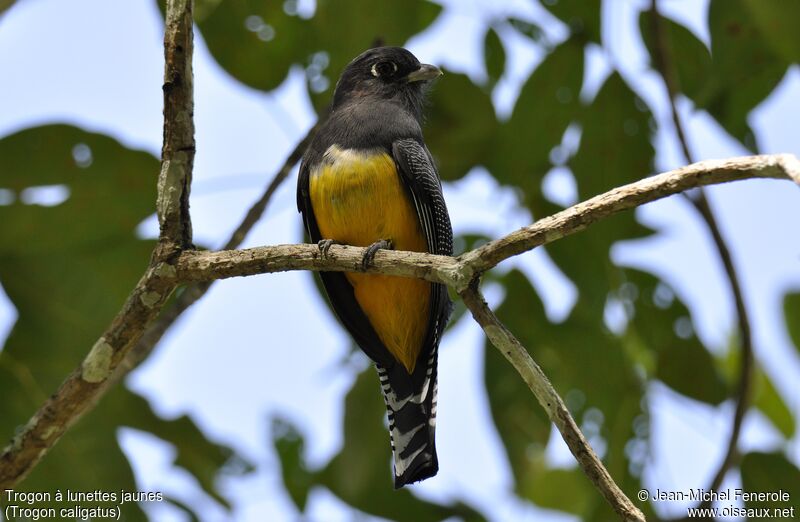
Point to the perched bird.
(367, 179)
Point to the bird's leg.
(325, 245)
(369, 255)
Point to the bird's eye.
(385, 69)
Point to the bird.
(367, 179)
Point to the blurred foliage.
(743, 65)
(67, 267)
(771, 473)
(5, 4)
(791, 308)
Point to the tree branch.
(177, 151)
(557, 411)
(665, 66)
(194, 292)
(79, 392)
(193, 266)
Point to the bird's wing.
(412, 418)
(419, 175)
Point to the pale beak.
(424, 73)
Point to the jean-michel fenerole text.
(723, 495)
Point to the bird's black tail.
(412, 421)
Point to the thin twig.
(665, 66)
(581, 215)
(79, 392)
(548, 397)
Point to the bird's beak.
(424, 73)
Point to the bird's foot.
(369, 255)
(325, 245)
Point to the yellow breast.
(358, 198)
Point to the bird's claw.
(369, 254)
(325, 245)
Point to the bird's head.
(385, 73)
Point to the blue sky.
(265, 345)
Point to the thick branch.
(177, 151)
(540, 385)
(79, 392)
(195, 266)
(743, 393)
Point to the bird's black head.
(385, 73)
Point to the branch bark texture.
(557, 411)
(82, 388)
(193, 266)
(177, 151)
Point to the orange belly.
(358, 198)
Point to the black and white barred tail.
(412, 423)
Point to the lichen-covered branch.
(81, 389)
(177, 151)
(193, 266)
(557, 411)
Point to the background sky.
(263, 346)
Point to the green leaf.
(583, 18)
(5, 4)
(255, 41)
(615, 141)
(745, 69)
(67, 269)
(258, 41)
(791, 309)
(204, 459)
(776, 20)
(662, 327)
(547, 103)
(752, 44)
(771, 473)
(567, 490)
(529, 29)
(691, 59)
(769, 401)
(614, 149)
(461, 123)
(289, 445)
(494, 55)
(765, 396)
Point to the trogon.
(367, 179)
